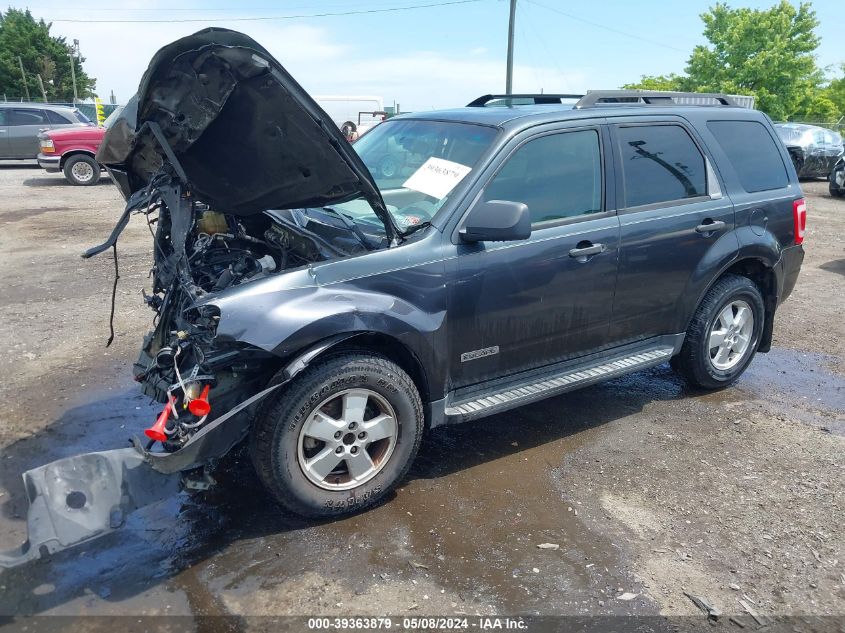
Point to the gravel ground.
(648, 489)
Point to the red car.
(72, 151)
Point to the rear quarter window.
(57, 119)
(752, 153)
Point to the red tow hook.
(156, 431)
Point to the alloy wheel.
(347, 439)
(730, 335)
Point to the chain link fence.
(88, 109)
(838, 126)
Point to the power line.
(605, 27)
(275, 17)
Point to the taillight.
(799, 217)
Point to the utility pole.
(509, 75)
(23, 76)
(41, 83)
(73, 78)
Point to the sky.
(424, 58)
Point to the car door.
(672, 213)
(4, 133)
(518, 305)
(24, 126)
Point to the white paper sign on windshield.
(437, 177)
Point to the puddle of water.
(794, 385)
(478, 501)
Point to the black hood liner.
(248, 137)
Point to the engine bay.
(200, 252)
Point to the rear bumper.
(790, 261)
(49, 162)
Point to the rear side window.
(81, 116)
(752, 153)
(57, 119)
(26, 116)
(558, 176)
(660, 164)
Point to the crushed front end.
(220, 153)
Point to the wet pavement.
(461, 534)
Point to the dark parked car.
(814, 150)
(329, 315)
(837, 179)
(20, 124)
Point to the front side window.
(27, 116)
(558, 176)
(660, 163)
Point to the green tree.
(768, 53)
(658, 82)
(41, 53)
(835, 92)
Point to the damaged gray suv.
(329, 303)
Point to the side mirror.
(497, 221)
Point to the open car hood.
(244, 133)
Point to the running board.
(573, 378)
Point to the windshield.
(416, 165)
(793, 135)
(110, 119)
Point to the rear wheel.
(724, 334)
(340, 436)
(82, 170)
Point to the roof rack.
(537, 99)
(595, 98)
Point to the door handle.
(586, 249)
(710, 226)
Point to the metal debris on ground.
(548, 546)
(712, 612)
(753, 613)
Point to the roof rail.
(595, 98)
(538, 99)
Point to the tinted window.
(752, 153)
(660, 164)
(82, 118)
(557, 176)
(25, 116)
(57, 119)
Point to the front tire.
(724, 334)
(340, 436)
(833, 188)
(82, 170)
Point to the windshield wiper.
(415, 228)
(352, 226)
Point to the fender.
(285, 321)
(78, 149)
